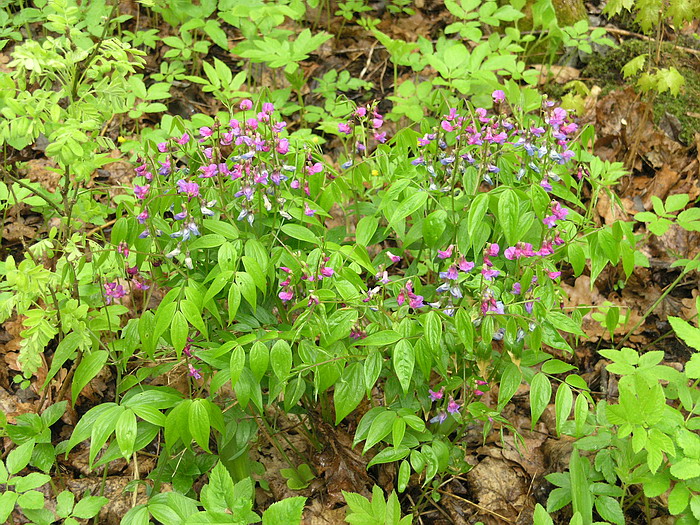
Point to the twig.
(482, 509)
(649, 39)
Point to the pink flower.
(327, 271)
(447, 126)
(377, 123)
(209, 171)
(308, 211)
(316, 168)
(141, 191)
(453, 406)
(286, 295)
(481, 382)
(446, 254)
(141, 217)
(205, 131)
(553, 275)
(283, 147)
(498, 95)
(246, 104)
(492, 250)
(436, 396)
(478, 393)
(313, 300)
(344, 127)
(394, 258)
(464, 265)
(184, 139)
(415, 301)
(162, 147)
(361, 111)
(268, 107)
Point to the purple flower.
(453, 407)
(190, 188)
(452, 274)
(194, 372)
(141, 217)
(415, 301)
(436, 396)
(553, 275)
(380, 137)
(163, 147)
(327, 271)
(316, 168)
(113, 291)
(308, 211)
(517, 289)
(394, 258)
(208, 171)
(184, 139)
(344, 127)
(246, 104)
(205, 131)
(441, 417)
(498, 95)
(490, 273)
(268, 107)
(286, 295)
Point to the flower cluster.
(478, 141)
(364, 121)
(289, 284)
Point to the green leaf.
(510, 381)
(199, 425)
(541, 517)
(563, 403)
(389, 455)
(281, 359)
(88, 368)
(126, 433)
(688, 333)
(349, 391)
(678, 499)
(669, 80)
(301, 233)
(179, 330)
(610, 510)
(365, 230)
(408, 206)
(686, 468)
(259, 359)
(89, 506)
(380, 428)
(540, 394)
(19, 457)
(404, 360)
(383, 338)
(634, 66)
(372, 369)
(509, 215)
(580, 494)
(285, 512)
(193, 314)
(64, 351)
(565, 323)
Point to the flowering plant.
(420, 272)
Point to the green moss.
(606, 72)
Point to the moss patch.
(606, 72)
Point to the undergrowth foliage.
(402, 285)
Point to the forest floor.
(657, 140)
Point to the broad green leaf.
(540, 394)
(281, 359)
(199, 425)
(404, 360)
(301, 233)
(349, 391)
(89, 367)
